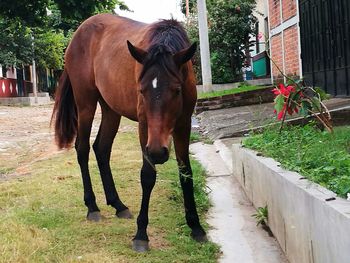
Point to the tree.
(73, 12)
(26, 23)
(49, 48)
(33, 13)
(30, 12)
(192, 29)
(193, 5)
(231, 22)
(15, 43)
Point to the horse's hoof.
(94, 216)
(124, 214)
(199, 236)
(140, 245)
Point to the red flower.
(281, 113)
(285, 91)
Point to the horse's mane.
(165, 38)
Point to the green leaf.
(305, 106)
(316, 104)
(279, 102)
(323, 95)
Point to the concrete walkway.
(230, 218)
(225, 123)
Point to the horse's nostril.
(158, 156)
(165, 151)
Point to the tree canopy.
(42, 28)
(230, 23)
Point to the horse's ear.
(137, 53)
(185, 55)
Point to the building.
(259, 55)
(284, 39)
(310, 39)
(16, 85)
(15, 82)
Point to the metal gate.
(325, 44)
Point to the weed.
(261, 216)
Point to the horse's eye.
(141, 91)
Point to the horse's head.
(161, 100)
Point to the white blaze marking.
(154, 83)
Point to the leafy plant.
(298, 98)
(261, 215)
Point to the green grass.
(242, 88)
(198, 137)
(43, 214)
(322, 157)
(195, 137)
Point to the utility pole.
(187, 8)
(204, 45)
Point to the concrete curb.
(42, 98)
(232, 226)
(251, 97)
(310, 224)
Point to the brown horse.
(152, 82)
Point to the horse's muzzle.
(158, 156)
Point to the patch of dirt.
(159, 243)
(26, 137)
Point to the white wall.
(260, 13)
(11, 73)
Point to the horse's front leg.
(181, 137)
(148, 179)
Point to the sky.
(152, 10)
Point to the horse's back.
(97, 57)
(101, 32)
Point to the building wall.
(291, 51)
(284, 38)
(289, 9)
(276, 54)
(274, 13)
(11, 73)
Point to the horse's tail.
(64, 113)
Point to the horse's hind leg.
(102, 147)
(86, 111)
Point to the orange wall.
(290, 38)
